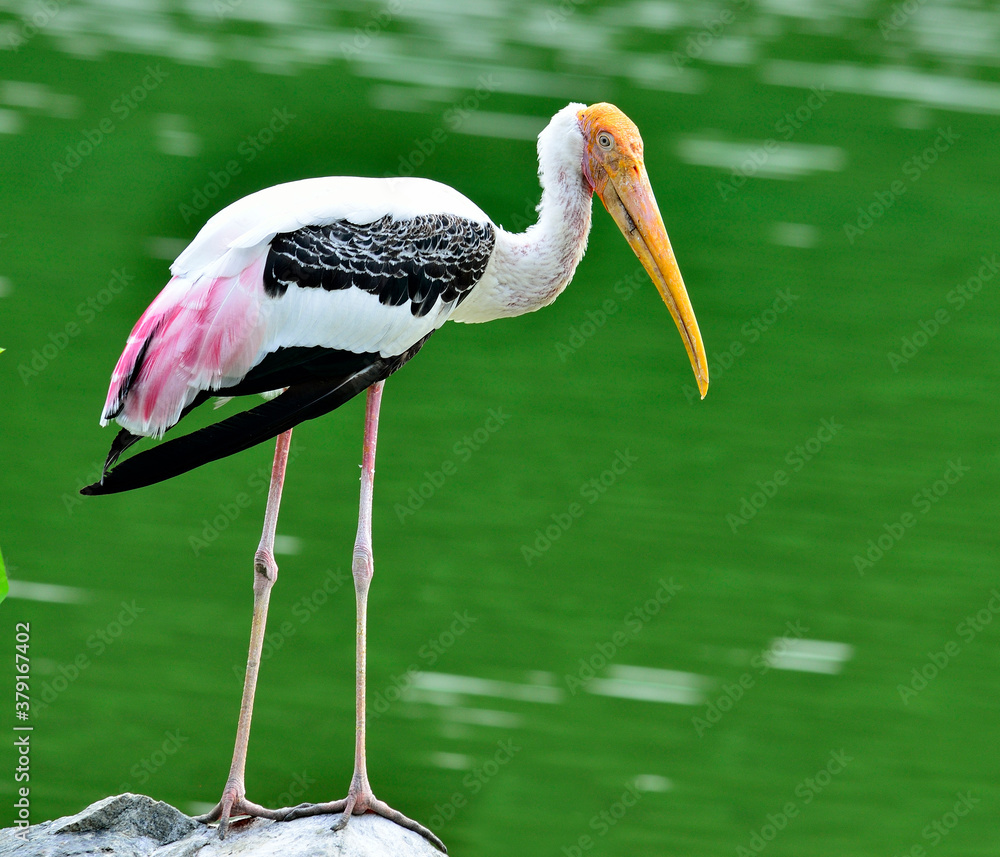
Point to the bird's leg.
(265, 568)
(360, 798)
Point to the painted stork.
(322, 288)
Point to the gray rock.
(137, 826)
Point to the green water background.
(820, 252)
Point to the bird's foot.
(234, 803)
(359, 800)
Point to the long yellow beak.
(629, 199)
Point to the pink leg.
(234, 800)
(360, 798)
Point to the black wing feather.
(303, 401)
(418, 259)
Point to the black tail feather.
(237, 433)
(123, 440)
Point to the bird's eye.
(604, 140)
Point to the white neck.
(529, 270)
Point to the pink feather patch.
(199, 338)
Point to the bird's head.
(613, 166)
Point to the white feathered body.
(215, 320)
